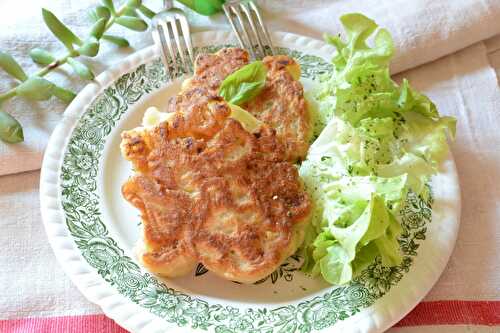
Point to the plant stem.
(42, 72)
(47, 69)
(113, 17)
(62, 60)
(9, 94)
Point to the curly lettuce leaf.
(337, 247)
(379, 141)
(350, 213)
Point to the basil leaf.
(11, 130)
(247, 91)
(8, 64)
(244, 84)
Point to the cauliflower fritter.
(211, 192)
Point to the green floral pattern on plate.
(80, 204)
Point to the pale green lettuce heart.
(379, 141)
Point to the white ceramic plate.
(93, 230)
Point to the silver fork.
(172, 36)
(241, 16)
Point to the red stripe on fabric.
(454, 313)
(426, 313)
(67, 324)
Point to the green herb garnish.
(244, 84)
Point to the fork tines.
(171, 33)
(249, 27)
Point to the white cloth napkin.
(423, 30)
(32, 282)
(465, 87)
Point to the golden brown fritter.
(281, 104)
(211, 69)
(166, 244)
(211, 192)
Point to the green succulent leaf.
(81, 69)
(41, 56)
(62, 32)
(109, 4)
(93, 15)
(146, 11)
(134, 3)
(130, 11)
(64, 95)
(132, 23)
(120, 41)
(98, 28)
(10, 65)
(103, 12)
(11, 130)
(36, 88)
(90, 47)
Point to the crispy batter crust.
(212, 69)
(282, 106)
(168, 244)
(209, 191)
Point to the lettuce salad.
(378, 141)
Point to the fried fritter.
(166, 247)
(209, 191)
(211, 69)
(281, 104)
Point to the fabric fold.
(423, 30)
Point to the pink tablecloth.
(445, 316)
